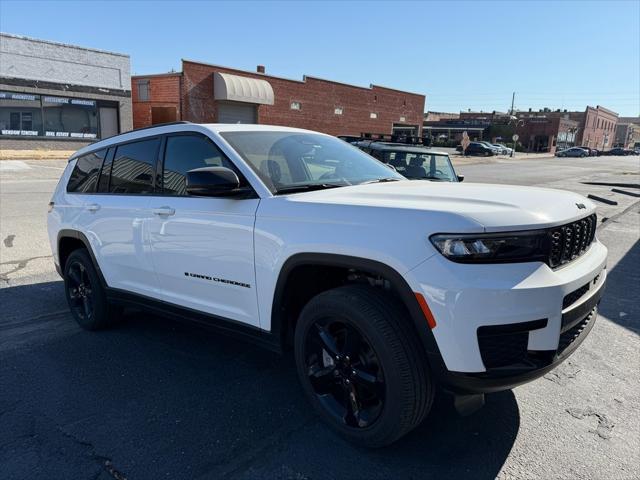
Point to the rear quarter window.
(84, 177)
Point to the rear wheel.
(85, 295)
(361, 365)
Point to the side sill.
(223, 325)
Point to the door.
(202, 247)
(236, 112)
(163, 115)
(116, 217)
(108, 122)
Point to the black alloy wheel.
(361, 365)
(85, 294)
(344, 372)
(80, 291)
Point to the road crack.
(19, 265)
(605, 426)
(102, 460)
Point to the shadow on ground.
(155, 397)
(620, 303)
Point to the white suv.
(383, 287)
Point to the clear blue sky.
(460, 54)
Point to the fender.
(69, 233)
(278, 320)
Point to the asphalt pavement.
(154, 398)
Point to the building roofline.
(69, 45)
(373, 85)
(304, 77)
(168, 74)
(197, 62)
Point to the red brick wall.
(164, 91)
(318, 99)
(599, 123)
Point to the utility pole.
(513, 99)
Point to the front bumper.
(501, 325)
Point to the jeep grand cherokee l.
(382, 287)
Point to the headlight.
(493, 248)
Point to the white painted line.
(13, 166)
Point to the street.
(156, 398)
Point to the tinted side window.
(84, 177)
(133, 167)
(184, 153)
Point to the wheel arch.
(69, 240)
(281, 323)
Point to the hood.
(495, 207)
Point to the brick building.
(596, 127)
(206, 93)
(628, 132)
(546, 131)
(59, 96)
(438, 116)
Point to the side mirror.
(212, 181)
(461, 178)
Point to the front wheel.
(361, 365)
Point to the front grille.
(574, 296)
(568, 337)
(570, 241)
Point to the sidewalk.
(37, 154)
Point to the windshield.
(425, 166)
(287, 161)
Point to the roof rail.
(179, 122)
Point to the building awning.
(242, 89)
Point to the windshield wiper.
(429, 177)
(380, 180)
(309, 187)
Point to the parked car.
(573, 152)
(496, 150)
(413, 162)
(619, 151)
(504, 149)
(591, 152)
(384, 288)
(479, 149)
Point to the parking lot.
(155, 398)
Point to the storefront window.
(23, 114)
(70, 117)
(20, 114)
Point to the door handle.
(164, 211)
(93, 207)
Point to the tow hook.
(467, 404)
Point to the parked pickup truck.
(383, 287)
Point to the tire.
(583, 155)
(392, 387)
(85, 294)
